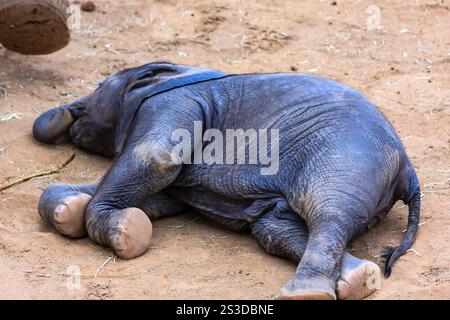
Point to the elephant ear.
(149, 80)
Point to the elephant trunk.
(53, 125)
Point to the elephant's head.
(101, 121)
(89, 122)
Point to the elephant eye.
(77, 109)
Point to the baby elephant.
(333, 167)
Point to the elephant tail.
(412, 198)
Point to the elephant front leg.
(113, 217)
(63, 207)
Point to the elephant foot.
(69, 215)
(359, 279)
(130, 232)
(311, 289)
(65, 211)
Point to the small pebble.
(88, 6)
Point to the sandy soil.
(404, 67)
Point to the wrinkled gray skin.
(342, 166)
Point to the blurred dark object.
(88, 6)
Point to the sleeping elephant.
(337, 167)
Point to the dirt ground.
(403, 66)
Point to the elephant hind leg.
(161, 205)
(286, 235)
(359, 278)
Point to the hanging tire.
(34, 26)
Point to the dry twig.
(184, 224)
(102, 266)
(39, 174)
